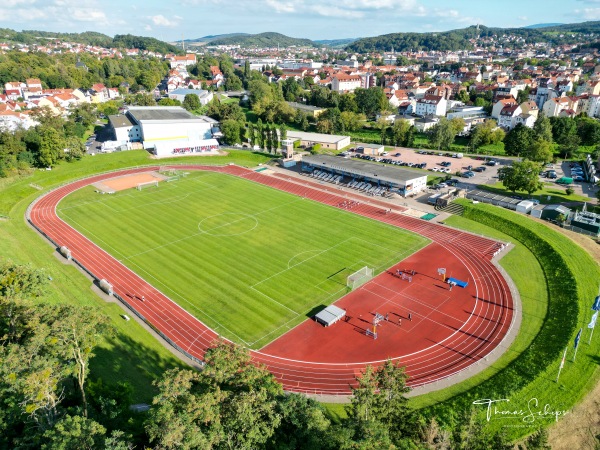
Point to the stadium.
(202, 252)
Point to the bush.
(570, 191)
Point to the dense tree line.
(90, 38)
(268, 39)
(60, 71)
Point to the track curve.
(487, 326)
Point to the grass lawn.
(556, 193)
(249, 261)
(132, 355)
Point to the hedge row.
(559, 324)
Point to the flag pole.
(591, 333)
(577, 344)
(562, 363)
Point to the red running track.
(480, 332)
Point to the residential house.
(530, 108)
(500, 105)
(527, 120)
(507, 116)
(431, 105)
(182, 61)
(554, 106)
(345, 83)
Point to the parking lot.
(443, 163)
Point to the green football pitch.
(249, 261)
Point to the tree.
(523, 95)
(75, 148)
(540, 151)
(463, 96)
(521, 176)
(542, 129)
(74, 433)
(370, 101)
(351, 121)
(231, 130)
(485, 133)
(233, 83)
(169, 102)
(379, 413)
(191, 102)
(185, 415)
(518, 140)
(77, 331)
(304, 424)
(51, 146)
(443, 133)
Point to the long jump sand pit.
(128, 181)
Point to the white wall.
(175, 131)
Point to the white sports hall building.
(166, 130)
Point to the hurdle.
(371, 333)
(404, 276)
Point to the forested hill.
(143, 43)
(402, 42)
(88, 38)
(264, 40)
(39, 37)
(461, 39)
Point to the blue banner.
(577, 338)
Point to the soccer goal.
(141, 186)
(359, 277)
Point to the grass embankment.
(572, 278)
(133, 355)
(221, 248)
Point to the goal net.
(141, 186)
(359, 277)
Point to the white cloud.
(588, 13)
(281, 7)
(162, 21)
(334, 11)
(523, 18)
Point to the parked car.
(578, 178)
(397, 154)
(551, 174)
(468, 175)
(492, 162)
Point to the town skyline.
(303, 19)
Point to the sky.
(313, 19)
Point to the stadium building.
(402, 181)
(166, 130)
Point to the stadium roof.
(390, 174)
(165, 114)
(316, 137)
